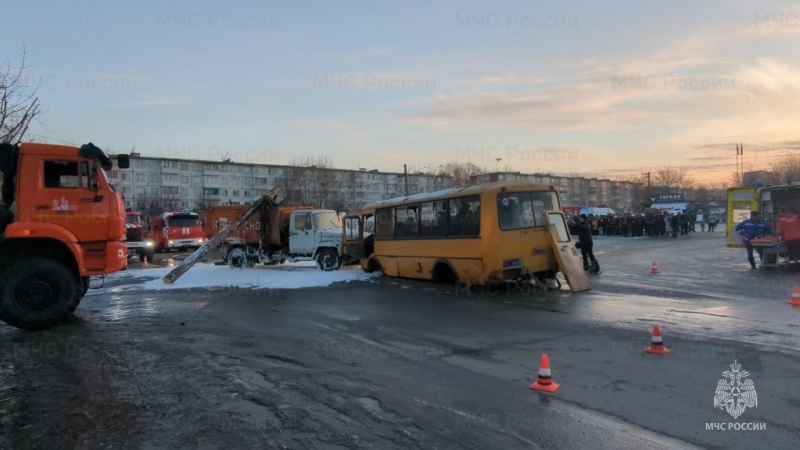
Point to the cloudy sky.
(601, 88)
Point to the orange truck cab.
(177, 230)
(61, 222)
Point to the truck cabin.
(183, 220)
(57, 174)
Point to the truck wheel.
(84, 286)
(149, 254)
(38, 293)
(82, 290)
(237, 258)
(328, 259)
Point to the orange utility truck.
(278, 233)
(61, 222)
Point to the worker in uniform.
(750, 229)
(583, 229)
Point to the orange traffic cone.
(795, 300)
(144, 263)
(656, 344)
(545, 380)
(654, 270)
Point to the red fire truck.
(139, 239)
(177, 230)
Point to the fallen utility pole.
(271, 198)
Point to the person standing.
(583, 229)
(675, 224)
(750, 229)
(712, 222)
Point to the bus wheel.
(442, 273)
(328, 259)
(38, 293)
(373, 266)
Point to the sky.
(604, 89)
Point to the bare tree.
(785, 168)
(19, 104)
(312, 181)
(672, 178)
(461, 173)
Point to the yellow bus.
(491, 233)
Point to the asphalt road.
(403, 364)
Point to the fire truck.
(61, 222)
(139, 237)
(177, 230)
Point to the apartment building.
(577, 191)
(155, 184)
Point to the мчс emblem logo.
(736, 393)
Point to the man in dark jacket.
(750, 229)
(583, 229)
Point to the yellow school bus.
(489, 233)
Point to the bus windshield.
(516, 210)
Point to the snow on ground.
(206, 275)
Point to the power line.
(51, 139)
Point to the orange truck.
(61, 222)
(278, 234)
(177, 230)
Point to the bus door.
(353, 238)
(569, 261)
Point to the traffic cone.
(656, 344)
(144, 263)
(795, 300)
(654, 270)
(545, 380)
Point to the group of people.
(651, 224)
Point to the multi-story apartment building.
(156, 184)
(577, 191)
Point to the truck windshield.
(182, 221)
(326, 220)
(101, 174)
(134, 219)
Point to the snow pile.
(205, 275)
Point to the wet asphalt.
(403, 364)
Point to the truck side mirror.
(123, 161)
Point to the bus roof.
(462, 191)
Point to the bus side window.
(384, 225)
(472, 221)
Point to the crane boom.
(271, 198)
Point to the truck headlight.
(171, 243)
(148, 243)
(200, 241)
